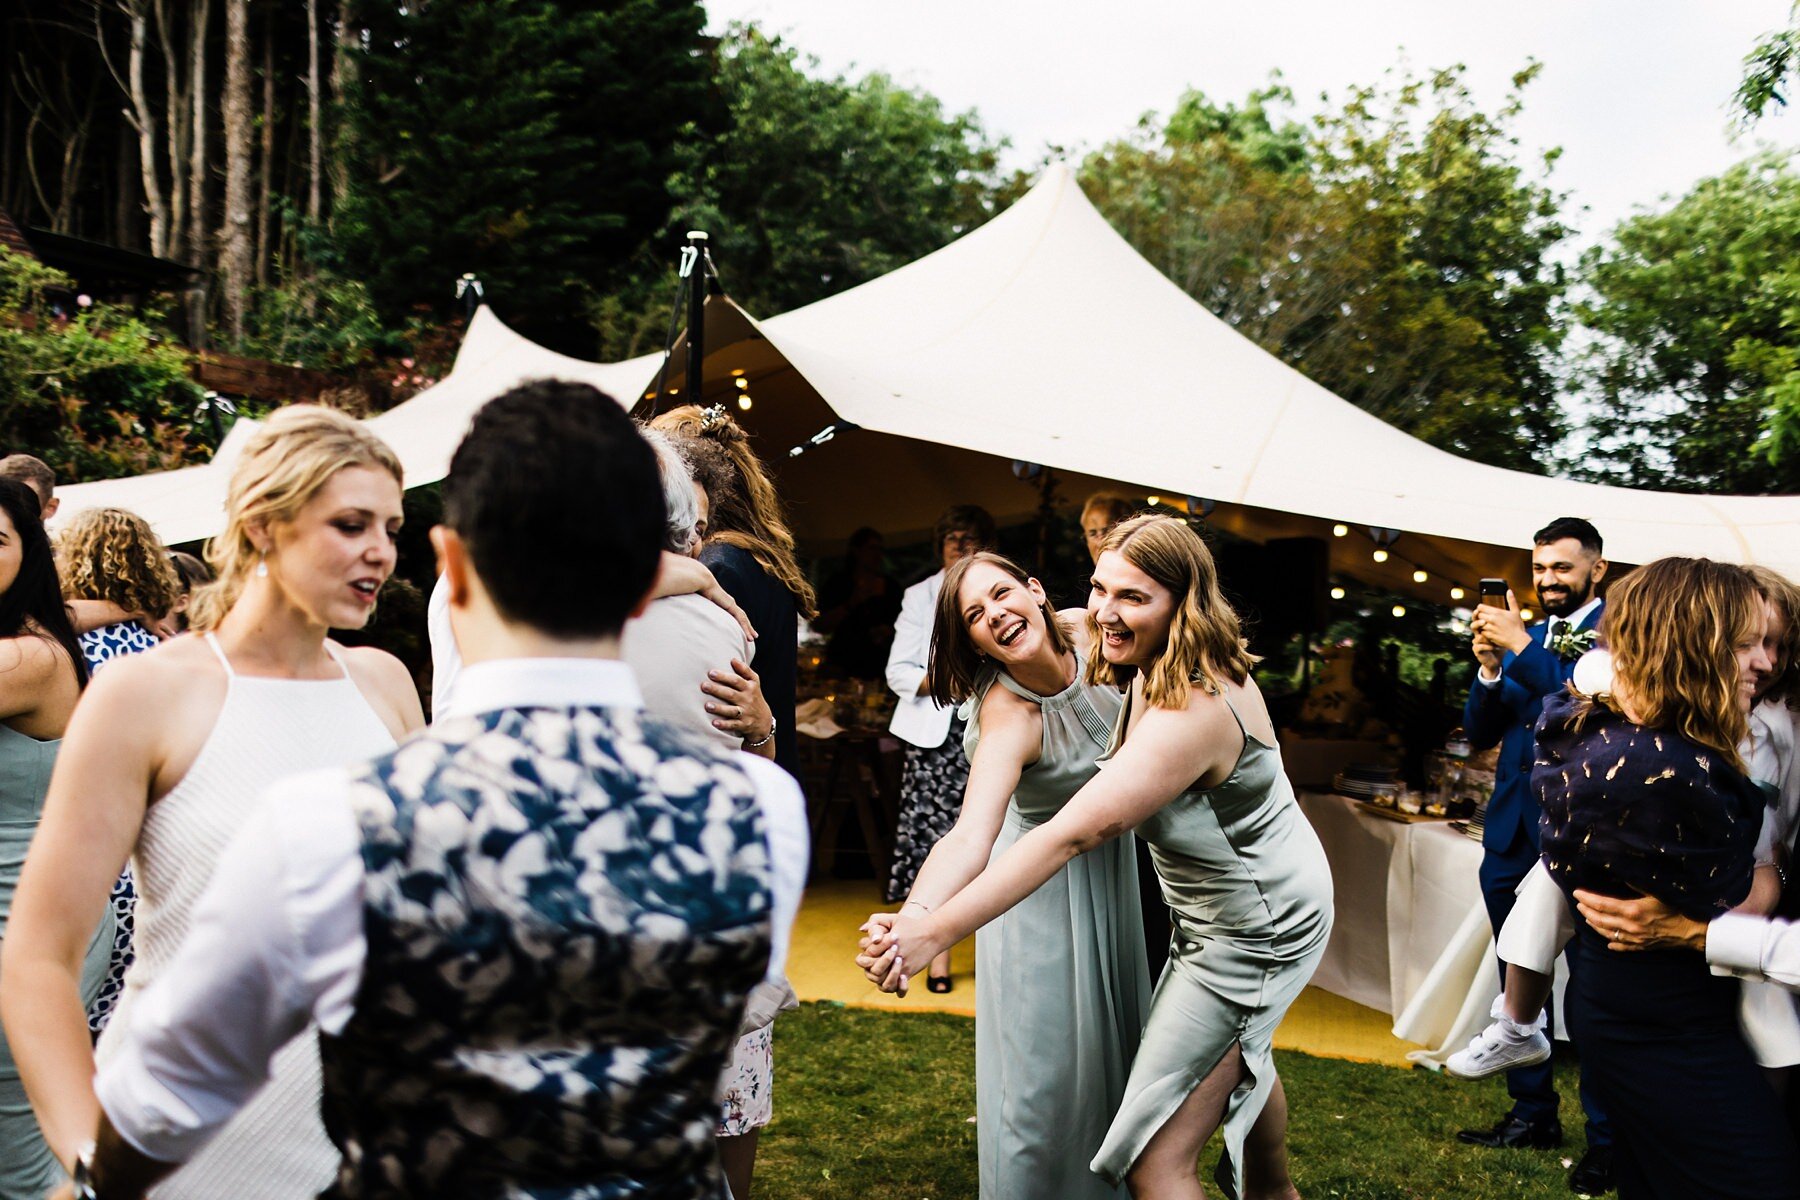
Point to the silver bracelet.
(762, 741)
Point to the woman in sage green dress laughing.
(1194, 769)
(1062, 983)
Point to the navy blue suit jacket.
(1507, 713)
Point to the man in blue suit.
(1520, 666)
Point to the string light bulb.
(1525, 614)
(1337, 593)
(742, 383)
(744, 401)
(1420, 577)
(1457, 593)
(1399, 610)
(1380, 555)
(1340, 531)
(1154, 500)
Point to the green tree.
(1395, 250)
(527, 141)
(96, 395)
(815, 184)
(1696, 366)
(1768, 68)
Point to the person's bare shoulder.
(30, 661)
(385, 680)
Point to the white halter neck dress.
(276, 1148)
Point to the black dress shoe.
(1516, 1134)
(1593, 1175)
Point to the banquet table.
(1411, 937)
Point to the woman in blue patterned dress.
(113, 558)
(1064, 986)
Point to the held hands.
(881, 968)
(1642, 924)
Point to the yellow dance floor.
(825, 936)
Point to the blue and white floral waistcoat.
(565, 909)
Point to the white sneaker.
(1498, 1048)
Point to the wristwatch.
(82, 1178)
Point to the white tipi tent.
(1042, 336)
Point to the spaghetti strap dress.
(1250, 892)
(275, 1148)
(27, 1168)
(1065, 988)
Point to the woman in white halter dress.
(167, 757)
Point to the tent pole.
(696, 347)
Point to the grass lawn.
(876, 1106)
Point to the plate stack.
(1365, 781)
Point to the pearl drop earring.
(262, 568)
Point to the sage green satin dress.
(1250, 891)
(27, 1168)
(1064, 982)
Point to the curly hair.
(748, 514)
(113, 555)
(1205, 643)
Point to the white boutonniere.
(1573, 643)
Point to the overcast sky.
(1634, 91)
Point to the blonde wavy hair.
(283, 466)
(1205, 644)
(113, 555)
(750, 514)
(1674, 627)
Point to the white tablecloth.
(1403, 892)
(1412, 937)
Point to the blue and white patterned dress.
(100, 647)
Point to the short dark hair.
(1570, 527)
(966, 518)
(560, 503)
(34, 473)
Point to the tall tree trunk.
(315, 129)
(340, 83)
(197, 164)
(234, 260)
(176, 125)
(266, 176)
(143, 118)
(198, 171)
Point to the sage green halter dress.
(1250, 891)
(1064, 982)
(27, 1167)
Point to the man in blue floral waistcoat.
(526, 935)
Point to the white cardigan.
(917, 719)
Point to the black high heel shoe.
(939, 983)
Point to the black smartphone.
(1493, 591)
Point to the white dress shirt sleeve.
(446, 659)
(1752, 947)
(275, 941)
(790, 851)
